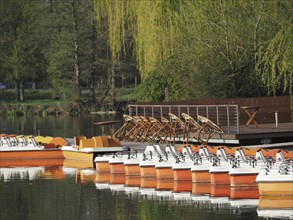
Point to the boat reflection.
(182, 186)
(13, 173)
(245, 192)
(275, 207)
(165, 184)
(83, 170)
(31, 169)
(85, 175)
(201, 188)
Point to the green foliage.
(214, 49)
(157, 87)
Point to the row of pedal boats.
(271, 171)
(36, 147)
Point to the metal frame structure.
(226, 116)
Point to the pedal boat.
(247, 165)
(148, 164)
(276, 181)
(132, 163)
(12, 148)
(88, 148)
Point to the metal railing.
(225, 116)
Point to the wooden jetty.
(245, 121)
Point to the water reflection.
(74, 190)
(57, 126)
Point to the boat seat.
(57, 142)
(86, 143)
(77, 139)
(106, 141)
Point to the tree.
(211, 48)
(20, 46)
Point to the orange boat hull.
(81, 164)
(220, 178)
(102, 166)
(165, 184)
(182, 175)
(273, 188)
(117, 178)
(31, 162)
(73, 155)
(149, 171)
(132, 170)
(247, 192)
(117, 168)
(164, 173)
(132, 181)
(201, 177)
(148, 182)
(243, 180)
(32, 154)
(220, 190)
(201, 188)
(182, 186)
(102, 177)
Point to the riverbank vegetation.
(158, 50)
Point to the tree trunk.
(21, 91)
(76, 53)
(17, 90)
(92, 99)
(112, 90)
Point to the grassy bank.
(39, 102)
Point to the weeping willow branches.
(223, 42)
(149, 23)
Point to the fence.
(225, 116)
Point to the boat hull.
(102, 177)
(148, 171)
(164, 173)
(132, 181)
(275, 188)
(243, 180)
(132, 169)
(32, 154)
(117, 168)
(31, 162)
(165, 184)
(220, 178)
(182, 175)
(200, 176)
(220, 190)
(148, 182)
(102, 166)
(201, 188)
(182, 186)
(78, 155)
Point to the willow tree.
(275, 64)
(212, 48)
(148, 23)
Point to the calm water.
(60, 192)
(57, 126)
(70, 190)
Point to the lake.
(61, 189)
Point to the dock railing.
(225, 116)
